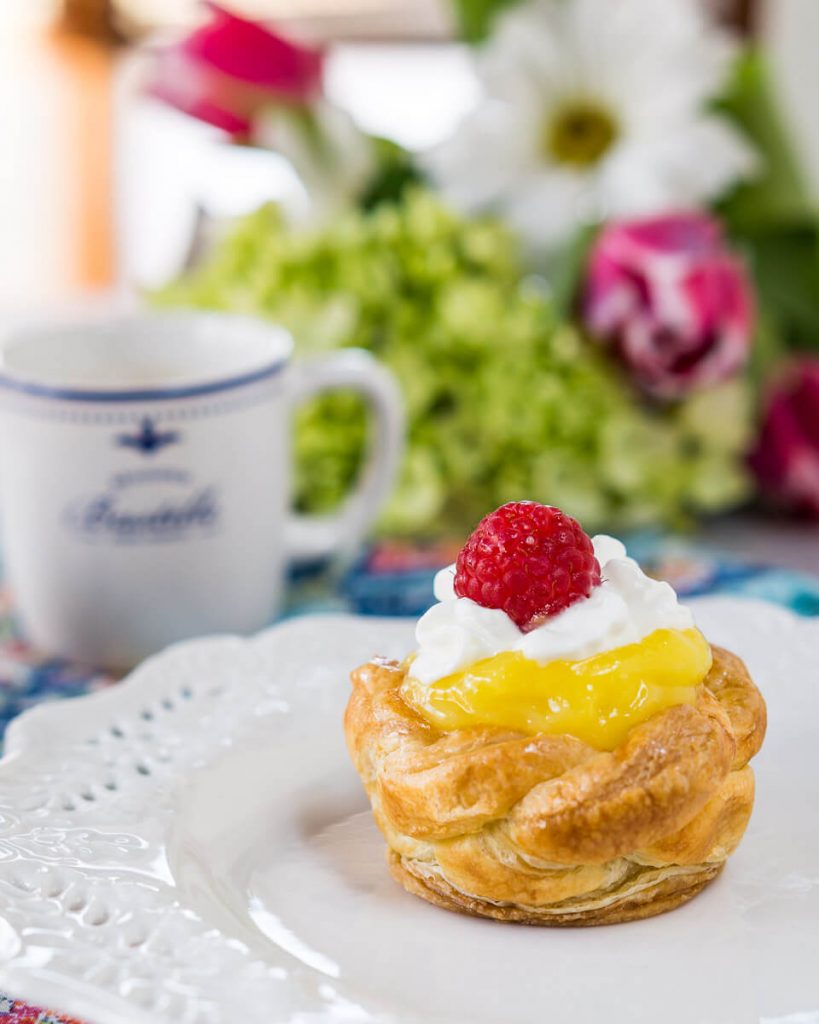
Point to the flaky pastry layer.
(547, 829)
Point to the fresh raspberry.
(529, 560)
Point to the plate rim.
(32, 734)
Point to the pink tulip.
(672, 300)
(786, 457)
(229, 68)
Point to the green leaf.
(773, 220)
(569, 270)
(395, 173)
(780, 193)
(784, 262)
(767, 351)
(475, 17)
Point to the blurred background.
(99, 185)
(111, 192)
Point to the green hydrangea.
(504, 401)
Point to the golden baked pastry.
(547, 829)
(564, 747)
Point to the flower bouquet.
(598, 293)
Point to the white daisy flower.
(595, 109)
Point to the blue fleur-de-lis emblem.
(148, 439)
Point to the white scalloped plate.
(193, 847)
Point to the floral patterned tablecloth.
(389, 579)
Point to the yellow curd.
(597, 699)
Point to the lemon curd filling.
(596, 699)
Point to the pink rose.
(229, 68)
(786, 457)
(672, 300)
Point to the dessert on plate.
(564, 747)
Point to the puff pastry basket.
(545, 829)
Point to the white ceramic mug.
(145, 480)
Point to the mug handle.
(311, 538)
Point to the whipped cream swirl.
(624, 609)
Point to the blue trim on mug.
(144, 394)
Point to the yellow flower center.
(579, 133)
